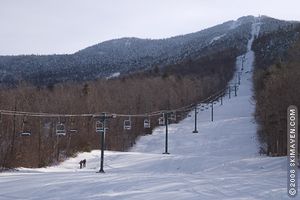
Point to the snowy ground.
(219, 162)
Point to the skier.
(84, 163)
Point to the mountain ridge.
(128, 55)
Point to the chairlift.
(73, 129)
(173, 117)
(127, 124)
(161, 120)
(99, 127)
(147, 123)
(25, 130)
(60, 129)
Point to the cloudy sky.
(66, 26)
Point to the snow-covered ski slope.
(219, 162)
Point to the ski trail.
(233, 132)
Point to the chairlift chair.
(25, 129)
(147, 123)
(73, 129)
(161, 121)
(173, 117)
(60, 129)
(99, 127)
(25, 134)
(127, 124)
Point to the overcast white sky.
(66, 26)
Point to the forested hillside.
(129, 55)
(277, 85)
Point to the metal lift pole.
(166, 139)
(102, 143)
(195, 130)
(212, 111)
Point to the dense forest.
(277, 85)
(143, 92)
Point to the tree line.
(276, 85)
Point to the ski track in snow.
(219, 162)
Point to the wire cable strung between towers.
(186, 108)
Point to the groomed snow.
(219, 162)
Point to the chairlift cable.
(155, 113)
